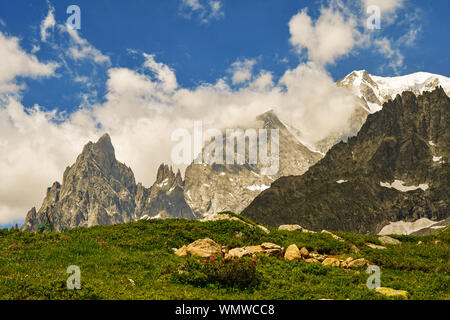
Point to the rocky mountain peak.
(164, 173)
(102, 152)
(270, 120)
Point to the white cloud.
(241, 71)
(394, 56)
(48, 23)
(330, 37)
(163, 73)
(205, 10)
(15, 62)
(81, 49)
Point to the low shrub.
(233, 272)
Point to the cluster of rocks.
(206, 248)
(294, 253)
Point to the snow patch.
(437, 159)
(341, 181)
(164, 183)
(400, 186)
(406, 228)
(258, 188)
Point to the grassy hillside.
(33, 266)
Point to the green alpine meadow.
(137, 261)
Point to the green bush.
(234, 272)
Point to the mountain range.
(98, 189)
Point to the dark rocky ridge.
(394, 144)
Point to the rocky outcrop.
(386, 240)
(396, 168)
(290, 227)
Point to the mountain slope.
(396, 168)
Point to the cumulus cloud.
(241, 71)
(204, 10)
(17, 63)
(331, 36)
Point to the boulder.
(292, 253)
(271, 249)
(386, 240)
(392, 293)
(358, 263)
(334, 262)
(375, 246)
(304, 252)
(290, 227)
(204, 248)
(182, 252)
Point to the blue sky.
(139, 69)
(203, 51)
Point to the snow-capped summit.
(375, 90)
